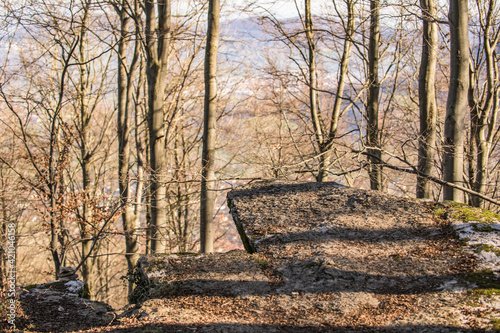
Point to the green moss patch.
(485, 292)
(495, 322)
(439, 211)
(30, 286)
(263, 264)
(469, 214)
(487, 248)
(481, 227)
(164, 289)
(486, 281)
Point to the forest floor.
(361, 262)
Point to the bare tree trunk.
(372, 130)
(141, 144)
(158, 25)
(484, 113)
(207, 198)
(457, 104)
(314, 97)
(125, 97)
(344, 68)
(427, 97)
(86, 224)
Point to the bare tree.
(427, 97)
(457, 105)
(158, 37)
(207, 198)
(483, 98)
(372, 112)
(323, 117)
(127, 13)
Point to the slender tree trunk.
(125, 97)
(344, 68)
(207, 198)
(3, 235)
(484, 114)
(86, 227)
(142, 152)
(158, 24)
(457, 104)
(314, 97)
(372, 130)
(52, 189)
(427, 97)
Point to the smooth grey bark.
(130, 219)
(427, 97)
(158, 36)
(372, 110)
(457, 104)
(207, 196)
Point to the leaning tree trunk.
(372, 130)
(457, 104)
(427, 97)
(207, 198)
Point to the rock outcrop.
(321, 257)
(60, 306)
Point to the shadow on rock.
(243, 328)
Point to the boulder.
(59, 306)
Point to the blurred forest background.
(354, 91)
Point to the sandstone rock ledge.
(60, 306)
(322, 258)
